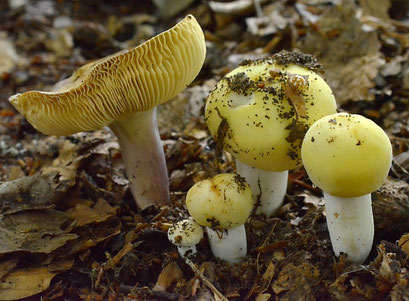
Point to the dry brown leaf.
(169, 275)
(298, 280)
(112, 262)
(265, 282)
(353, 81)
(22, 283)
(28, 193)
(391, 204)
(15, 172)
(350, 67)
(67, 163)
(85, 215)
(269, 274)
(404, 243)
(310, 198)
(8, 54)
(275, 18)
(73, 150)
(376, 8)
(7, 266)
(263, 297)
(35, 231)
(91, 236)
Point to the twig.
(263, 244)
(206, 281)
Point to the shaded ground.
(69, 227)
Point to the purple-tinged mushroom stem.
(143, 157)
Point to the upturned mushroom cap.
(126, 82)
(250, 111)
(185, 233)
(346, 155)
(222, 202)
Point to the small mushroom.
(122, 91)
(222, 204)
(185, 234)
(260, 112)
(348, 156)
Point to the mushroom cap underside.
(346, 155)
(126, 82)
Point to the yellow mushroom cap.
(222, 202)
(185, 233)
(250, 108)
(129, 81)
(346, 155)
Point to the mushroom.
(260, 112)
(185, 234)
(348, 156)
(121, 91)
(222, 204)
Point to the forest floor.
(69, 227)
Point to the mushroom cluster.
(121, 91)
(348, 156)
(260, 113)
(272, 115)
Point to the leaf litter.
(68, 224)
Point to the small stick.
(206, 281)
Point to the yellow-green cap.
(252, 109)
(222, 202)
(129, 81)
(346, 155)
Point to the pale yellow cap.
(346, 155)
(129, 81)
(222, 202)
(250, 108)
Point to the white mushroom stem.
(143, 156)
(268, 187)
(350, 225)
(183, 250)
(229, 245)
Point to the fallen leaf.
(404, 243)
(169, 275)
(390, 203)
(27, 193)
(7, 266)
(85, 215)
(35, 231)
(297, 280)
(8, 54)
(310, 198)
(90, 237)
(263, 297)
(25, 282)
(350, 67)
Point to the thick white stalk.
(350, 225)
(229, 245)
(268, 187)
(143, 156)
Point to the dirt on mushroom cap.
(222, 202)
(262, 124)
